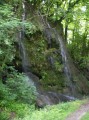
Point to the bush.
(4, 115)
(21, 88)
(17, 87)
(11, 109)
(55, 112)
(5, 94)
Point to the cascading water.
(25, 64)
(65, 60)
(49, 33)
(21, 40)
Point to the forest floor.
(78, 114)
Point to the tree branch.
(71, 5)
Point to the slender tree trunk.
(66, 29)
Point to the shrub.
(21, 88)
(17, 87)
(4, 115)
(5, 93)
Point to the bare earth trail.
(77, 115)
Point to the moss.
(51, 76)
(52, 80)
(36, 48)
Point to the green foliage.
(18, 87)
(4, 115)
(4, 92)
(79, 47)
(86, 116)
(6, 35)
(22, 88)
(9, 26)
(56, 112)
(52, 80)
(19, 111)
(9, 110)
(38, 55)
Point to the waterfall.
(25, 63)
(65, 59)
(43, 98)
(21, 41)
(53, 33)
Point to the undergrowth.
(17, 110)
(86, 116)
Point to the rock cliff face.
(50, 98)
(48, 59)
(43, 54)
(45, 63)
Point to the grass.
(55, 112)
(20, 111)
(86, 116)
(8, 110)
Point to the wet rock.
(50, 98)
(42, 101)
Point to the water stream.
(25, 63)
(66, 62)
(49, 32)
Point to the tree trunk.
(66, 29)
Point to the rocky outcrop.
(50, 98)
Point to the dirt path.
(77, 115)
